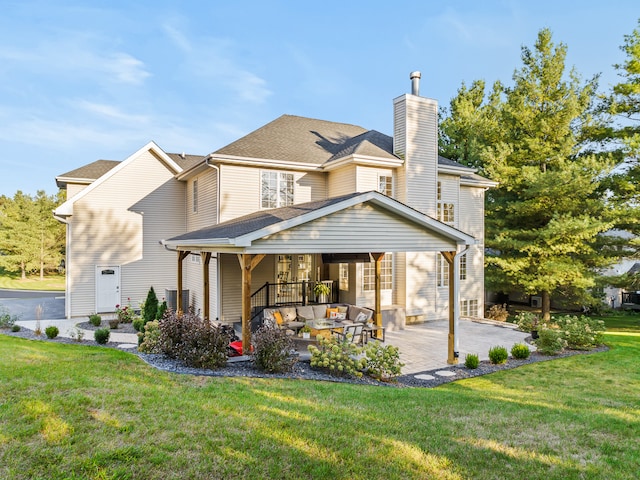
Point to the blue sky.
(88, 80)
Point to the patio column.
(377, 257)
(181, 257)
(206, 259)
(452, 259)
(247, 263)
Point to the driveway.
(24, 304)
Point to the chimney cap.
(415, 74)
(415, 83)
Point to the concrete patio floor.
(423, 347)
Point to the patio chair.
(350, 333)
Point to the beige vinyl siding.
(73, 189)
(362, 228)
(450, 193)
(421, 291)
(472, 212)
(193, 281)
(368, 177)
(342, 181)
(207, 214)
(400, 145)
(120, 223)
(418, 145)
(231, 284)
(240, 191)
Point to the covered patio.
(357, 223)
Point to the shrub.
(138, 324)
(95, 320)
(337, 358)
(580, 333)
(15, 328)
(498, 312)
(196, 341)
(101, 335)
(125, 313)
(162, 308)
(76, 334)
(149, 340)
(383, 363)
(520, 351)
(550, 341)
(498, 355)
(471, 360)
(527, 321)
(6, 319)
(51, 331)
(150, 311)
(273, 350)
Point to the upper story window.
(386, 274)
(276, 189)
(385, 185)
(195, 196)
(446, 211)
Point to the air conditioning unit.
(536, 302)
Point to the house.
(384, 220)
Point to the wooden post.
(378, 285)
(181, 257)
(451, 357)
(206, 259)
(247, 263)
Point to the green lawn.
(77, 412)
(12, 281)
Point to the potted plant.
(306, 331)
(322, 290)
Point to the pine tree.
(150, 306)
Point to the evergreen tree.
(150, 306)
(544, 220)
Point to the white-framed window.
(463, 267)
(385, 185)
(195, 258)
(442, 271)
(386, 274)
(469, 308)
(344, 276)
(445, 210)
(276, 189)
(195, 196)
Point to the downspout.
(67, 289)
(456, 301)
(218, 282)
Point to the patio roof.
(364, 222)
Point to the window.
(442, 271)
(463, 267)
(344, 276)
(385, 185)
(195, 196)
(276, 189)
(445, 210)
(469, 308)
(386, 274)
(195, 258)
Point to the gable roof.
(241, 232)
(66, 209)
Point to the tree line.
(566, 159)
(31, 239)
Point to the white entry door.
(107, 288)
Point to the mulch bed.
(302, 370)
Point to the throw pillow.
(278, 317)
(343, 309)
(362, 317)
(338, 315)
(330, 311)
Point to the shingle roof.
(258, 220)
(306, 140)
(188, 161)
(87, 173)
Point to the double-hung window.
(385, 185)
(386, 274)
(442, 271)
(445, 210)
(276, 189)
